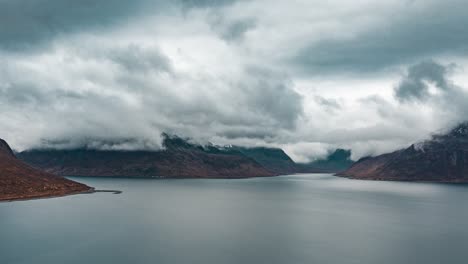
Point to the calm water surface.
(314, 218)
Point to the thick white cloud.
(307, 76)
(128, 91)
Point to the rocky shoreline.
(40, 197)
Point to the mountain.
(20, 181)
(179, 159)
(337, 161)
(443, 158)
(5, 149)
(273, 159)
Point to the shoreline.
(91, 191)
(178, 178)
(454, 182)
(40, 197)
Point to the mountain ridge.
(443, 158)
(180, 158)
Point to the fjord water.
(313, 218)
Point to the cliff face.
(20, 181)
(444, 158)
(179, 159)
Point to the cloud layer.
(307, 76)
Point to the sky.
(307, 76)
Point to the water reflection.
(291, 219)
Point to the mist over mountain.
(443, 158)
(179, 158)
(337, 161)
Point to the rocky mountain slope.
(443, 158)
(21, 181)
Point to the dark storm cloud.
(420, 30)
(237, 29)
(330, 105)
(271, 94)
(27, 24)
(446, 98)
(427, 84)
(136, 59)
(206, 3)
(415, 85)
(231, 30)
(97, 143)
(26, 94)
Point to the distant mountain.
(337, 161)
(20, 181)
(273, 159)
(443, 158)
(179, 159)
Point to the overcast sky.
(308, 76)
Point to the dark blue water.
(291, 219)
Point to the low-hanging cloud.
(130, 94)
